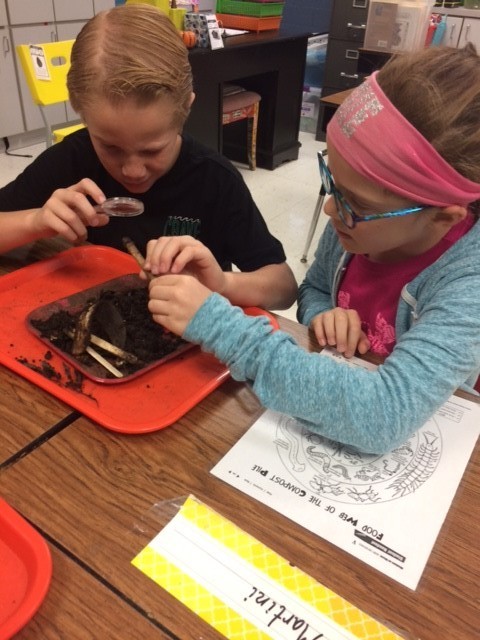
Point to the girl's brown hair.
(131, 51)
(438, 90)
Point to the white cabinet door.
(73, 9)
(452, 31)
(3, 13)
(101, 5)
(30, 11)
(69, 31)
(35, 34)
(11, 119)
(470, 32)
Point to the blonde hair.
(438, 90)
(130, 52)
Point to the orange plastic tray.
(25, 571)
(249, 23)
(152, 401)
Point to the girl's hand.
(68, 212)
(175, 299)
(342, 329)
(184, 255)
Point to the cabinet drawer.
(349, 20)
(452, 32)
(3, 13)
(470, 32)
(72, 10)
(342, 65)
(26, 11)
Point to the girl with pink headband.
(396, 272)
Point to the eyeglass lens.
(346, 216)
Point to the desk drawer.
(349, 20)
(342, 65)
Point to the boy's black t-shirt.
(203, 195)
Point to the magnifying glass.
(121, 207)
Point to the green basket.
(256, 9)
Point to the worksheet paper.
(386, 510)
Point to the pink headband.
(378, 142)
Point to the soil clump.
(143, 337)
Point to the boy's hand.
(184, 255)
(68, 212)
(342, 329)
(174, 300)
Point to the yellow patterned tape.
(232, 624)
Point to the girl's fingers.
(340, 328)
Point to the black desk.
(269, 63)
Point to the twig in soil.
(81, 335)
(132, 249)
(114, 350)
(101, 360)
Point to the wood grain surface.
(103, 496)
(26, 414)
(79, 607)
(31, 253)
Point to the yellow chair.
(45, 67)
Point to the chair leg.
(252, 125)
(313, 224)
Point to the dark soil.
(72, 379)
(144, 338)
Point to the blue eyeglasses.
(345, 211)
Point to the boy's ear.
(451, 215)
(192, 98)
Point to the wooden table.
(99, 497)
(27, 414)
(79, 606)
(327, 107)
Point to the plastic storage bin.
(397, 25)
(256, 9)
(248, 23)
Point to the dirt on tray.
(144, 338)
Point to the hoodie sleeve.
(372, 410)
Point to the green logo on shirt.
(178, 226)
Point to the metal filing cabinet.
(347, 32)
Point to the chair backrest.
(45, 67)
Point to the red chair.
(239, 104)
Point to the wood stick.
(100, 359)
(81, 335)
(104, 362)
(132, 249)
(114, 350)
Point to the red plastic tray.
(25, 571)
(152, 401)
